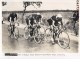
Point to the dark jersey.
(29, 20)
(56, 21)
(36, 17)
(32, 18)
(49, 21)
(53, 18)
(74, 15)
(12, 15)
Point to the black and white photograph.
(44, 26)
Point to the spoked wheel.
(16, 33)
(38, 38)
(48, 34)
(39, 35)
(27, 32)
(63, 40)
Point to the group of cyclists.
(35, 19)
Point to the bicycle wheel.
(39, 35)
(16, 33)
(10, 32)
(9, 29)
(48, 35)
(63, 40)
(27, 32)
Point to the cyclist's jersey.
(76, 16)
(56, 20)
(36, 17)
(32, 18)
(50, 21)
(12, 16)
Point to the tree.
(28, 3)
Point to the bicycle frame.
(12, 31)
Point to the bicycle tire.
(27, 32)
(48, 35)
(39, 35)
(37, 40)
(9, 31)
(63, 36)
(16, 33)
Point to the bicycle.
(61, 36)
(13, 34)
(38, 35)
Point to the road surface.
(24, 46)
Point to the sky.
(17, 5)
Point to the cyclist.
(55, 21)
(31, 21)
(37, 17)
(11, 19)
(75, 18)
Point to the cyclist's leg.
(54, 35)
(55, 32)
(31, 30)
(50, 28)
(11, 29)
(11, 25)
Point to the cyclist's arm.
(63, 27)
(61, 23)
(53, 23)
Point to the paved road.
(24, 46)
